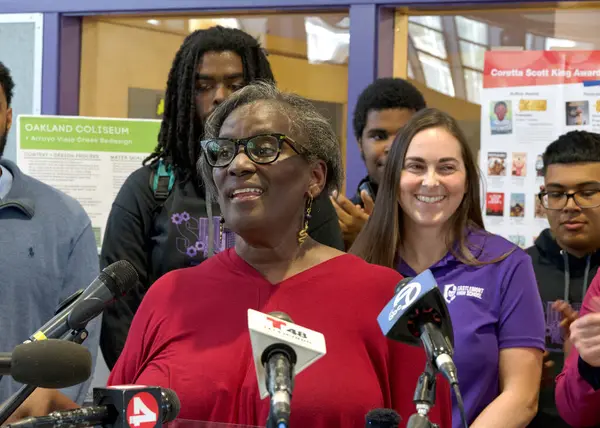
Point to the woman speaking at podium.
(267, 155)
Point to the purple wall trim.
(50, 63)
(371, 55)
(70, 59)
(108, 6)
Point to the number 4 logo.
(142, 411)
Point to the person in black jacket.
(160, 220)
(382, 110)
(567, 255)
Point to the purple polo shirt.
(492, 307)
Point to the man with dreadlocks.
(160, 220)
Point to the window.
(439, 45)
(534, 43)
(449, 48)
(473, 84)
(455, 46)
(472, 55)
(325, 43)
(428, 40)
(471, 30)
(552, 43)
(437, 74)
(411, 74)
(434, 22)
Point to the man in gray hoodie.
(48, 252)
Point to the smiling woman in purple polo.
(428, 216)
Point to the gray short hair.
(313, 134)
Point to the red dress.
(190, 334)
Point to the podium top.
(187, 423)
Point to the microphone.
(48, 364)
(114, 281)
(281, 349)
(418, 313)
(126, 407)
(73, 316)
(383, 418)
(279, 360)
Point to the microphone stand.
(13, 403)
(424, 400)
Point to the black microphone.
(382, 418)
(279, 360)
(73, 316)
(141, 405)
(114, 281)
(47, 364)
(418, 314)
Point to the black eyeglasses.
(261, 149)
(558, 200)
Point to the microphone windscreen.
(281, 315)
(124, 275)
(51, 363)
(382, 418)
(173, 405)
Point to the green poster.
(87, 134)
(89, 159)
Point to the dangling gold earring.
(303, 234)
(221, 229)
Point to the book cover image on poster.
(517, 204)
(501, 117)
(540, 211)
(578, 113)
(494, 204)
(539, 166)
(519, 164)
(496, 163)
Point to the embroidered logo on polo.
(452, 291)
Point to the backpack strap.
(162, 181)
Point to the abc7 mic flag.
(416, 295)
(266, 330)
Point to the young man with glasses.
(567, 255)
